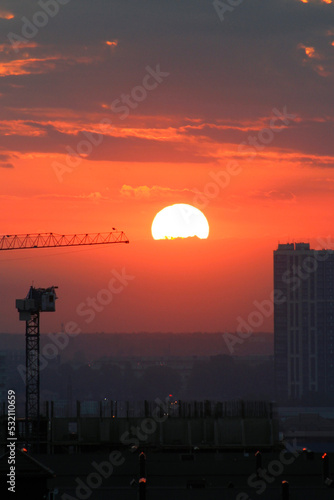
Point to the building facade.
(304, 322)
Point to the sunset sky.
(112, 110)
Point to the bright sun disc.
(179, 221)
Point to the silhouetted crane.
(44, 300)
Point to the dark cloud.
(4, 157)
(312, 137)
(280, 196)
(237, 69)
(6, 165)
(107, 148)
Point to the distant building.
(303, 322)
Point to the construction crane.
(51, 240)
(44, 300)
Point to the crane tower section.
(38, 300)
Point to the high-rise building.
(304, 322)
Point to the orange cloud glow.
(7, 48)
(154, 192)
(112, 43)
(19, 127)
(26, 66)
(310, 52)
(6, 15)
(323, 1)
(34, 65)
(322, 71)
(312, 55)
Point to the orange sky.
(112, 115)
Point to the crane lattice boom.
(48, 240)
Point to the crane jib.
(49, 240)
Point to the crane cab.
(37, 300)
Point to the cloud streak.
(153, 193)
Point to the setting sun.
(180, 221)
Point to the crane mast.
(37, 300)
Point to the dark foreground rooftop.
(190, 474)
